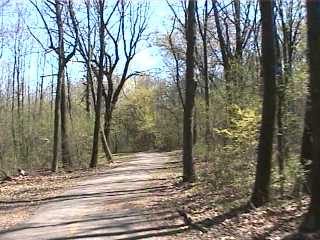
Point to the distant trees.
(190, 86)
(312, 220)
(260, 193)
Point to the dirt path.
(114, 205)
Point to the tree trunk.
(41, 96)
(87, 92)
(306, 147)
(106, 134)
(188, 168)
(54, 164)
(260, 193)
(89, 70)
(280, 116)
(65, 149)
(97, 123)
(312, 220)
(225, 52)
(205, 73)
(105, 146)
(237, 9)
(194, 126)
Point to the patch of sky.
(20, 16)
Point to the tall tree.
(203, 30)
(290, 15)
(97, 124)
(190, 85)
(65, 149)
(260, 193)
(312, 220)
(58, 8)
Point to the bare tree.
(97, 124)
(133, 19)
(124, 28)
(57, 8)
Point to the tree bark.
(306, 147)
(237, 9)
(105, 145)
(54, 164)
(41, 96)
(260, 193)
(188, 168)
(65, 149)
(106, 134)
(312, 220)
(280, 115)
(97, 124)
(205, 73)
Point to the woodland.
(234, 97)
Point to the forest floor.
(139, 196)
(226, 214)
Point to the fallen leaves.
(219, 212)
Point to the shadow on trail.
(114, 205)
(152, 216)
(143, 192)
(143, 233)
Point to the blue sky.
(148, 56)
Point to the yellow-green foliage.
(144, 119)
(135, 117)
(241, 135)
(233, 162)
